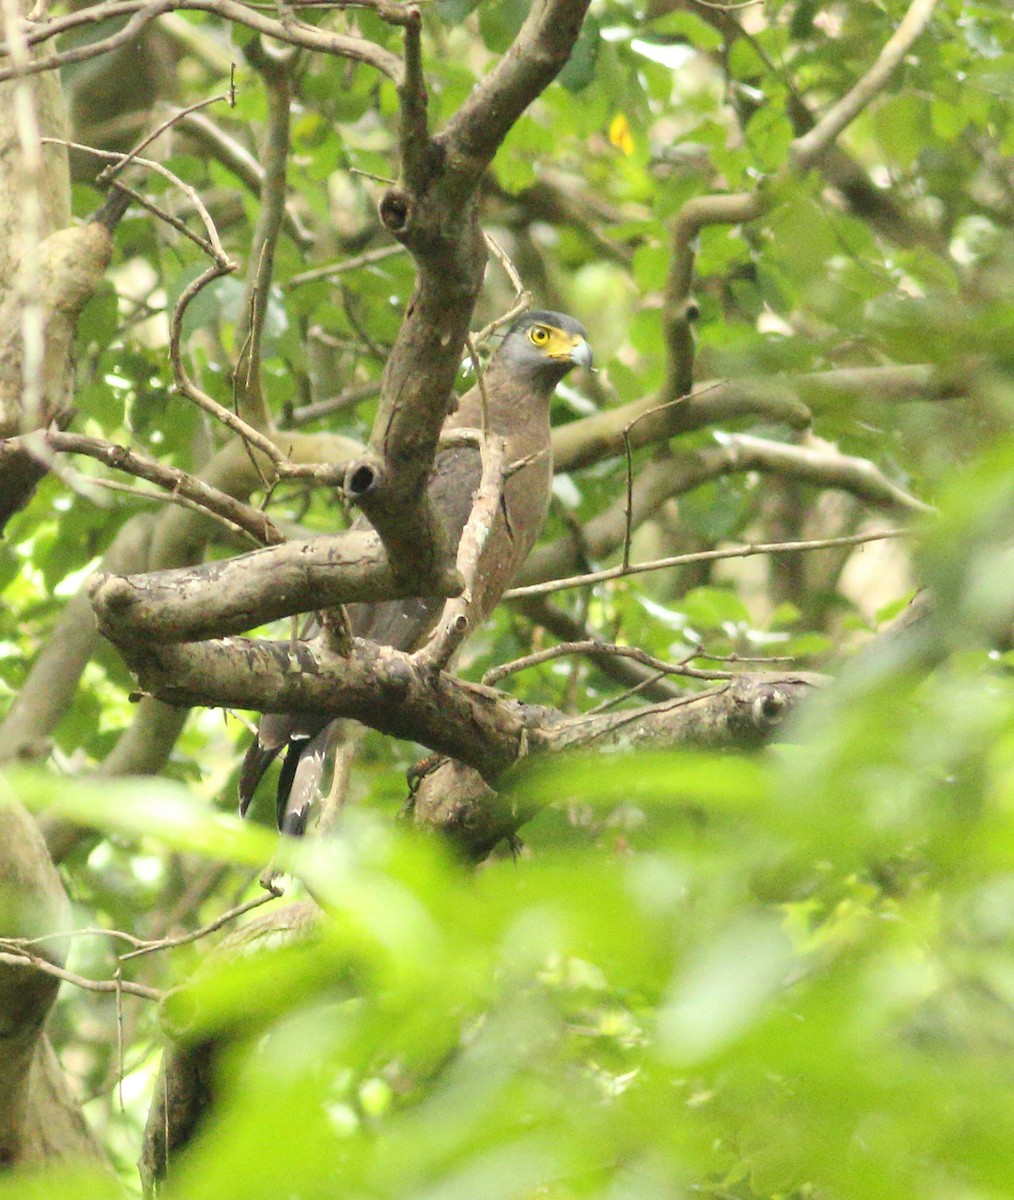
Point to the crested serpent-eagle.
(537, 352)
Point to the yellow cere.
(554, 342)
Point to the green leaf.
(711, 608)
(689, 26)
(579, 71)
(140, 808)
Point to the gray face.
(543, 346)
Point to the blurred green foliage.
(787, 976)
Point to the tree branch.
(680, 560)
(540, 51)
(141, 12)
(745, 712)
(215, 599)
(380, 687)
(783, 399)
(807, 148)
(432, 211)
(252, 520)
(249, 392)
(700, 211)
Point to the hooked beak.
(581, 354)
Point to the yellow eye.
(539, 335)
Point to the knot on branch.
(768, 709)
(763, 705)
(396, 212)
(111, 596)
(363, 477)
(395, 676)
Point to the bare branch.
(15, 955)
(637, 679)
(679, 560)
(213, 246)
(379, 686)
(334, 404)
(368, 258)
(643, 422)
(240, 515)
(679, 309)
(239, 593)
(141, 12)
(116, 168)
(783, 400)
(600, 649)
(808, 148)
(539, 53)
(821, 467)
(186, 386)
(455, 623)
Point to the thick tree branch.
(380, 687)
(239, 593)
(744, 713)
(540, 51)
(784, 399)
(389, 691)
(432, 211)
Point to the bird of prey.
(537, 352)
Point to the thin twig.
(185, 939)
(107, 174)
(325, 408)
(136, 493)
(368, 258)
(179, 483)
(626, 694)
(522, 297)
(164, 215)
(216, 249)
(188, 388)
(18, 957)
(593, 647)
(679, 560)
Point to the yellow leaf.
(620, 135)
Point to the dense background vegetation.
(782, 973)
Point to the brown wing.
(404, 624)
